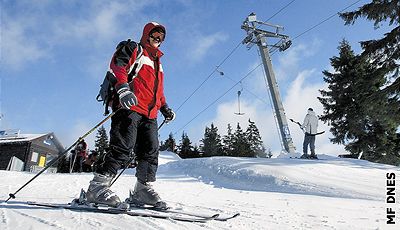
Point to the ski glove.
(126, 97)
(168, 113)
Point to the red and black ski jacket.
(144, 73)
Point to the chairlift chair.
(239, 93)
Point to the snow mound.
(166, 156)
(277, 193)
(331, 177)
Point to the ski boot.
(305, 156)
(313, 156)
(99, 192)
(144, 194)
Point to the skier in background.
(140, 96)
(310, 126)
(89, 162)
(81, 155)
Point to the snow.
(20, 138)
(332, 193)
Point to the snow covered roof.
(20, 138)
(14, 136)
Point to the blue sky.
(54, 55)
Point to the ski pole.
(159, 127)
(73, 163)
(298, 124)
(295, 122)
(116, 178)
(132, 159)
(51, 163)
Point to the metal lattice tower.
(259, 37)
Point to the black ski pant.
(132, 134)
(309, 140)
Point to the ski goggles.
(157, 36)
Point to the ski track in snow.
(46, 222)
(4, 219)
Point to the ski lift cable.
(279, 11)
(208, 77)
(274, 49)
(212, 103)
(249, 91)
(323, 21)
(223, 61)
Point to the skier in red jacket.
(80, 156)
(139, 88)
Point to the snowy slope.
(269, 193)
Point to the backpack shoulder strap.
(132, 71)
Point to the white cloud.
(301, 95)
(69, 136)
(289, 60)
(102, 23)
(33, 35)
(202, 44)
(226, 115)
(302, 92)
(17, 47)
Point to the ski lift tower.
(259, 37)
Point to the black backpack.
(107, 87)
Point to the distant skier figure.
(89, 162)
(310, 126)
(139, 88)
(81, 155)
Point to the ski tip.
(215, 216)
(236, 215)
(123, 206)
(231, 217)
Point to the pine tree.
(228, 142)
(185, 149)
(212, 145)
(169, 144)
(101, 142)
(241, 146)
(196, 151)
(257, 148)
(384, 53)
(357, 121)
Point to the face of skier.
(156, 39)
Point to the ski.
(310, 159)
(319, 133)
(130, 212)
(315, 134)
(217, 216)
